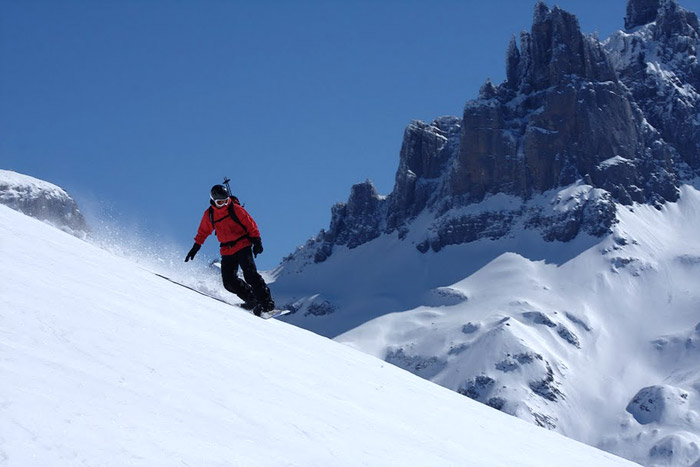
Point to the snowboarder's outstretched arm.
(205, 229)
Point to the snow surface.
(25, 183)
(102, 363)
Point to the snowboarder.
(240, 240)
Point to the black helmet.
(218, 192)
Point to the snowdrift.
(104, 363)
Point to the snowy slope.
(102, 363)
(598, 339)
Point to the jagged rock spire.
(673, 21)
(543, 127)
(541, 12)
(554, 49)
(512, 62)
(641, 12)
(659, 65)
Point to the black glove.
(193, 251)
(257, 246)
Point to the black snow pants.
(253, 289)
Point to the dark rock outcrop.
(560, 116)
(658, 403)
(547, 386)
(425, 153)
(659, 65)
(358, 221)
(641, 12)
(612, 123)
(478, 388)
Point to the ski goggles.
(221, 202)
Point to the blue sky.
(138, 107)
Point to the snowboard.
(274, 313)
(266, 315)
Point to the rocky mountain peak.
(674, 21)
(614, 123)
(552, 50)
(358, 221)
(641, 12)
(543, 128)
(658, 63)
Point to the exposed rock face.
(359, 220)
(659, 404)
(641, 12)
(558, 118)
(596, 124)
(425, 153)
(659, 64)
(42, 200)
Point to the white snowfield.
(102, 363)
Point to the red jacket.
(228, 230)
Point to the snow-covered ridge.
(596, 338)
(560, 214)
(42, 200)
(104, 363)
